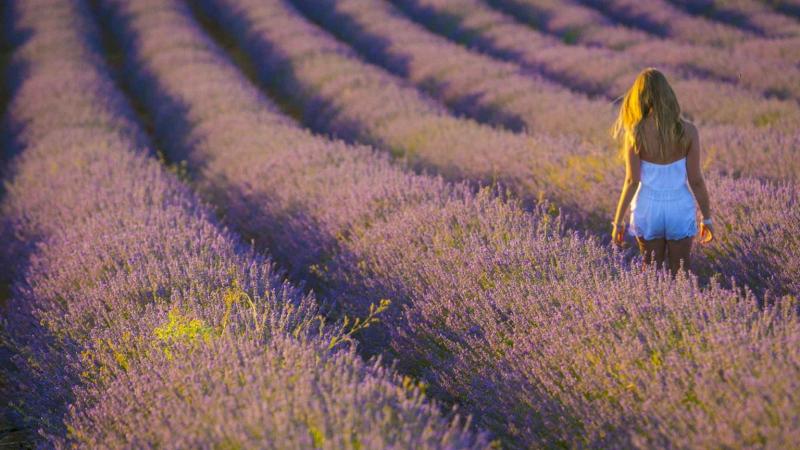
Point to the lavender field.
(363, 224)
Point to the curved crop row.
(609, 73)
(746, 14)
(334, 91)
(470, 83)
(573, 23)
(669, 21)
(542, 335)
(773, 51)
(684, 27)
(137, 320)
(336, 201)
(584, 25)
(789, 7)
(503, 94)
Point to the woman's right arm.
(694, 172)
(629, 187)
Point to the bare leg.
(677, 251)
(653, 250)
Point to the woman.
(662, 161)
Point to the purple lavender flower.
(543, 334)
(139, 321)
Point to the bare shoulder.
(690, 138)
(689, 128)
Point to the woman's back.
(652, 140)
(662, 171)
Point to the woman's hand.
(706, 233)
(618, 233)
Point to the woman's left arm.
(633, 171)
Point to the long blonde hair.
(650, 94)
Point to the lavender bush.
(579, 24)
(609, 73)
(679, 23)
(746, 14)
(504, 94)
(664, 19)
(573, 22)
(493, 91)
(773, 49)
(546, 336)
(138, 321)
(684, 27)
(789, 7)
(336, 92)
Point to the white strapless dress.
(663, 206)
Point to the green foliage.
(572, 35)
(234, 295)
(179, 328)
(766, 119)
(359, 324)
(317, 437)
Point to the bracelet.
(707, 221)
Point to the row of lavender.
(505, 94)
(763, 49)
(664, 20)
(703, 75)
(619, 24)
(657, 25)
(543, 335)
(136, 320)
(753, 15)
(336, 92)
(789, 7)
(678, 39)
(683, 19)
